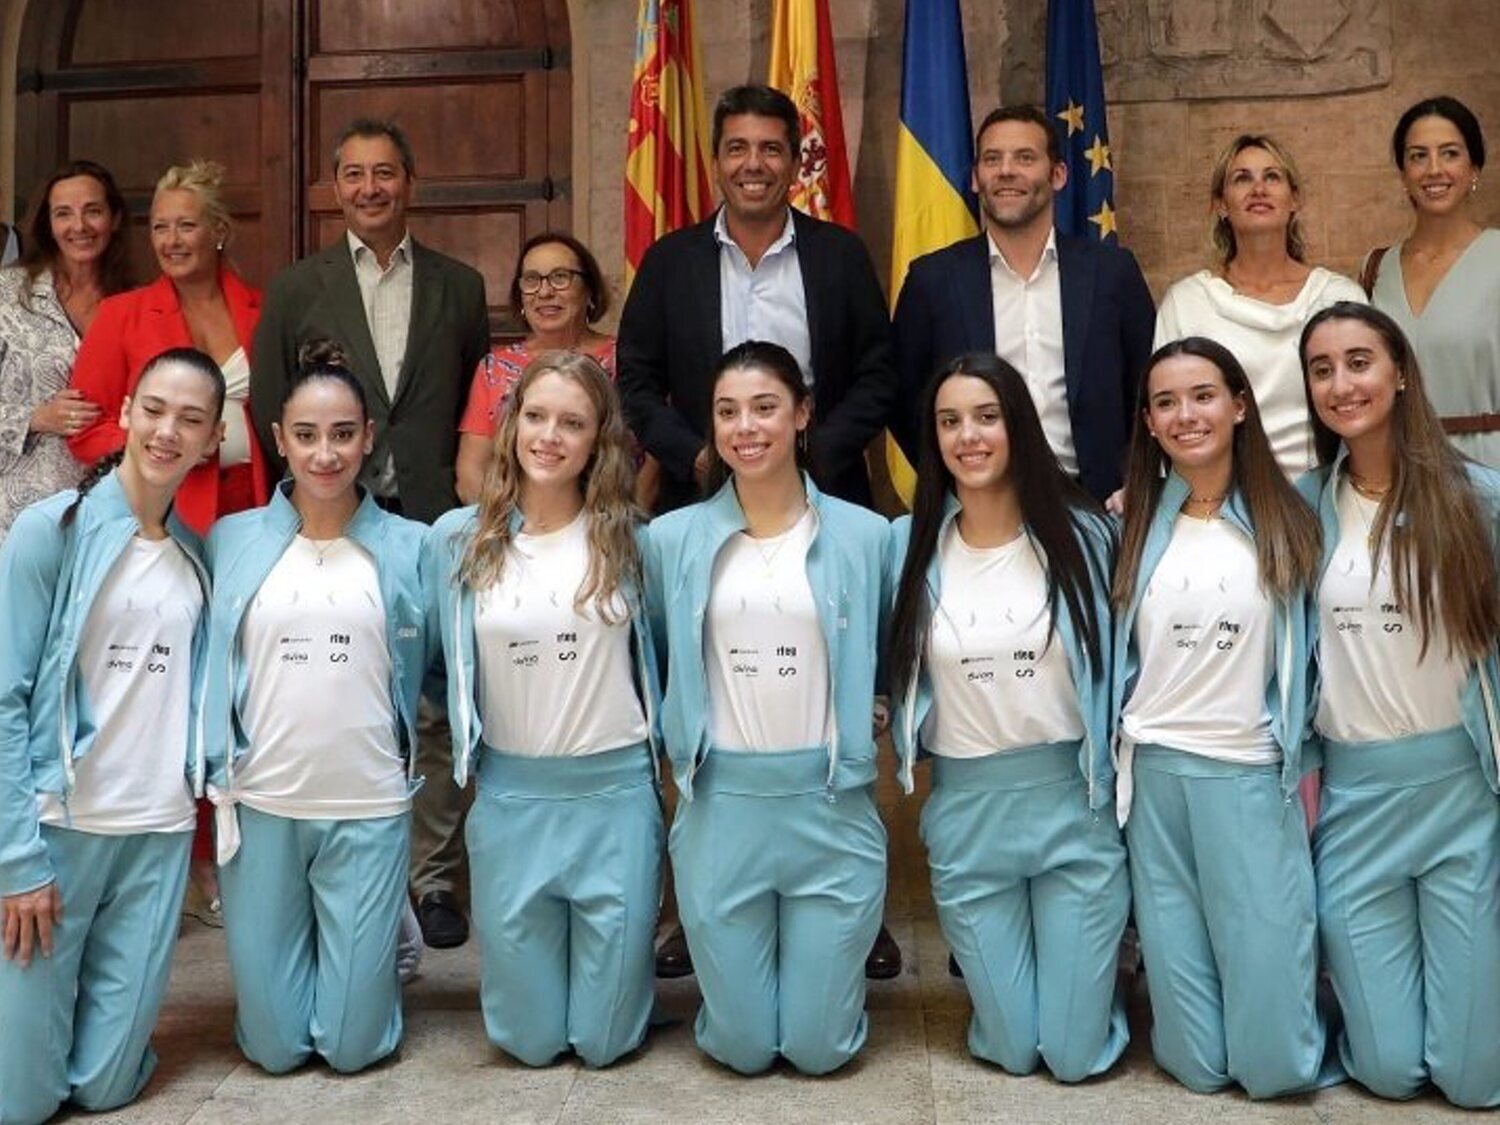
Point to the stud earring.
(220, 246)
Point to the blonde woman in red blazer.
(199, 301)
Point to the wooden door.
(483, 90)
(482, 87)
(139, 85)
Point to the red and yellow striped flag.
(666, 158)
(802, 67)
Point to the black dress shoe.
(953, 969)
(884, 961)
(673, 959)
(443, 923)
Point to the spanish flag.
(666, 156)
(802, 67)
(934, 158)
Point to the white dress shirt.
(765, 301)
(386, 294)
(1029, 336)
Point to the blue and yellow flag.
(1075, 99)
(934, 156)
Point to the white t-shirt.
(235, 448)
(1373, 687)
(1204, 638)
(318, 709)
(554, 680)
(997, 684)
(767, 658)
(136, 660)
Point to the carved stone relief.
(1160, 50)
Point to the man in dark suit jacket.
(414, 325)
(417, 356)
(797, 281)
(1077, 296)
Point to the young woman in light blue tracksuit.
(102, 594)
(552, 688)
(1000, 640)
(1407, 849)
(768, 600)
(317, 651)
(1211, 689)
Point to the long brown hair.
(1288, 540)
(1442, 559)
(39, 249)
(1053, 508)
(607, 486)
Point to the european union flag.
(1075, 99)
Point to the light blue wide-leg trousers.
(311, 913)
(565, 855)
(1222, 879)
(780, 889)
(76, 1026)
(1407, 852)
(1032, 895)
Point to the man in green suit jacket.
(412, 321)
(414, 325)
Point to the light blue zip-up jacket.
(242, 551)
(450, 606)
(1289, 686)
(1481, 697)
(1091, 680)
(848, 568)
(49, 578)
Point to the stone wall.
(1184, 65)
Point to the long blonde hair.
(606, 484)
(1222, 234)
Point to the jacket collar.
(726, 517)
(363, 527)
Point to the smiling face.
(171, 424)
(81, 222)
(971, 433)
(324, 437)
(1351, 379)
(186, 244)
(556, 430)
(1258, 193)
(1014, 177)
(754, 166)
(756, 423)
(1436, 169)
(1192, 414)
(373, 190)
(559, 313)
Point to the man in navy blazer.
(1073, 315)
(794, 280)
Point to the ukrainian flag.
(1075, 99)
(934, 158)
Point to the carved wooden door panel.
(482, 87)
(139, 85)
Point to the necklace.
(321, 549)
(1366, 489)
(769, 547)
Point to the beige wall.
(1163, 149)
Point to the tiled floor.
(914, 1069)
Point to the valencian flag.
(1075, 99)
(934, 157)
(802, 67)
(666, 157)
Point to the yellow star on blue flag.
(1075, 97)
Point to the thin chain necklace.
(777, 542)
(321, 548)
(1367, 490)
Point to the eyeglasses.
(561, 280)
